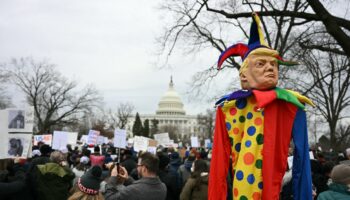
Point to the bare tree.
(5, 100)
(55, 99)
(205, 24)
(120, 118)
(206, 121)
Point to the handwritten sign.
(120, 138)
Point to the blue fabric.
(302, 181)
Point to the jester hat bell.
(256, 40)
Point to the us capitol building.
(171, 112)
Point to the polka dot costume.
(244, 124)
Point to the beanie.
(341, 174)
(85, 160)
(89, 183)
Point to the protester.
(81, 168)
(128, 161)
(54, 179)
(185, 169)
(173, 191)
(96, 158)
(196, 187)
(13, 181)
(87, 187)
(340, 188)
(148, 187)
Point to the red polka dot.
(258, 121)
(248, 158)
(256, 196)
(235, 192)
(236, 131)
(233, 111)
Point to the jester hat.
(256, 41)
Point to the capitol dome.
(170, 103)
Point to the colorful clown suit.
(254, 128)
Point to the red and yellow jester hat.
(256, 45)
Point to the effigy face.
(261, 73)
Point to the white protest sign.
(162, 138)
(100, 139)
(152, 150)
(194, 141)
(46, 139)
(106, 141)
(18, 145)
(20, 120)
(120, 138)
(72, 137)
(207, 143)
(92, 137)
(140, 143)
(83, 139)
(60, 140)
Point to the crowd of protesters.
(97, 172)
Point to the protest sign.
(152, 143)
(72, 137)
(290, 162)
(60, 140)
(207, 143)
(20, 120)
(120, 138)
(162, 138)
(194, 141)
(152, 150)
(92, 137)
(140, 143)
(46, 139)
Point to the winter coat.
(189, 192)
(54, 182)
(335, 192)
(143, 189)
(185, 171)
(173, 191)
(16, 188)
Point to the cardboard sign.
(20, 120)
(46, 139)
(140, 143)
(162, 138)
(120, 138)
(152, 143)
(60, 140)
(92, 137)
(194, 142)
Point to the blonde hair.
(257, 52)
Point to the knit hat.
(85, 160)
(89, 183)
(36, 152)
(341, 174)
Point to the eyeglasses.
(139, 165)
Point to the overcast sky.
(108, 43)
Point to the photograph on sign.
(18, 145)
(16, 119)
(20, 120)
